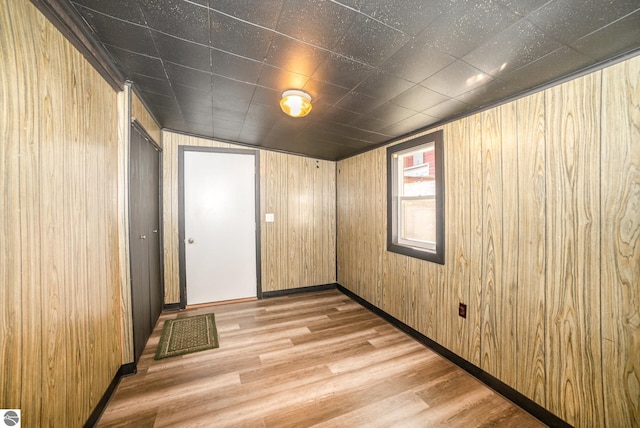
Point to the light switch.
(269, 218)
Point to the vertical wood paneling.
(298, 249)
(574, 381)
(531, 372)
(76, 201)
(52, 229)
(454, 329)
(490, 327)
(620, 243)
(64, 129)
(508, 315)
(474, 309)
(141, 114)
(539, 243)
(12, 147)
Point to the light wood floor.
(315, 359)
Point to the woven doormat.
(186, 335)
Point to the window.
(415, 198)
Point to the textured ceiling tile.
(263, 12)
(456, 79)
(370, 123)
(523, 7)
(410, 124)
(339, 115)
(511, 49)
(182, 52)
(558, 63)
(235, 67)
(324, 92)
(447, 109)
(487, 94)
(370, 42)
(384, 86)
(238, 37)
(178, 18)
(391, 113)
(361, 103)
(416, 61)
(127, 10)
(228, 61)
(408, 16)
(281, 80)
(133, 63)
(181, 75)
(341, 71)
(318, 22)
(225, 88)
(418, 98)
(158, 100)
(568, 20)
(465, 25)
(153, 85)
(620, 37)
(295, 56)
(121, 34)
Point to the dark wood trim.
(501, 388)
(67, 20)
(437, 137)
(290, 291)
(124, 370)
(172, 307)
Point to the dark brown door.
(144, 237)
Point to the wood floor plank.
(313, 359)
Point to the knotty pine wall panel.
(541, 233)
(298, 249)
(620, 243)
(59, 178)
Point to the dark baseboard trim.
(279, 293)
(124, 370)
(503, 389)
(172, 307)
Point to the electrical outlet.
(462, 310)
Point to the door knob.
(143, 237)
(190, 241)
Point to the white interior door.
(220, 226)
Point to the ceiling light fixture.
(295, 103)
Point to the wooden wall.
(543, 244)
(59, 292)
(298, 249)
(142, 115)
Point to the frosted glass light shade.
(295, 103)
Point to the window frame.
(401, 245)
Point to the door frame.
(136, 126)
(181, 215)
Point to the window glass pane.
(419, 220)
(418, 172)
